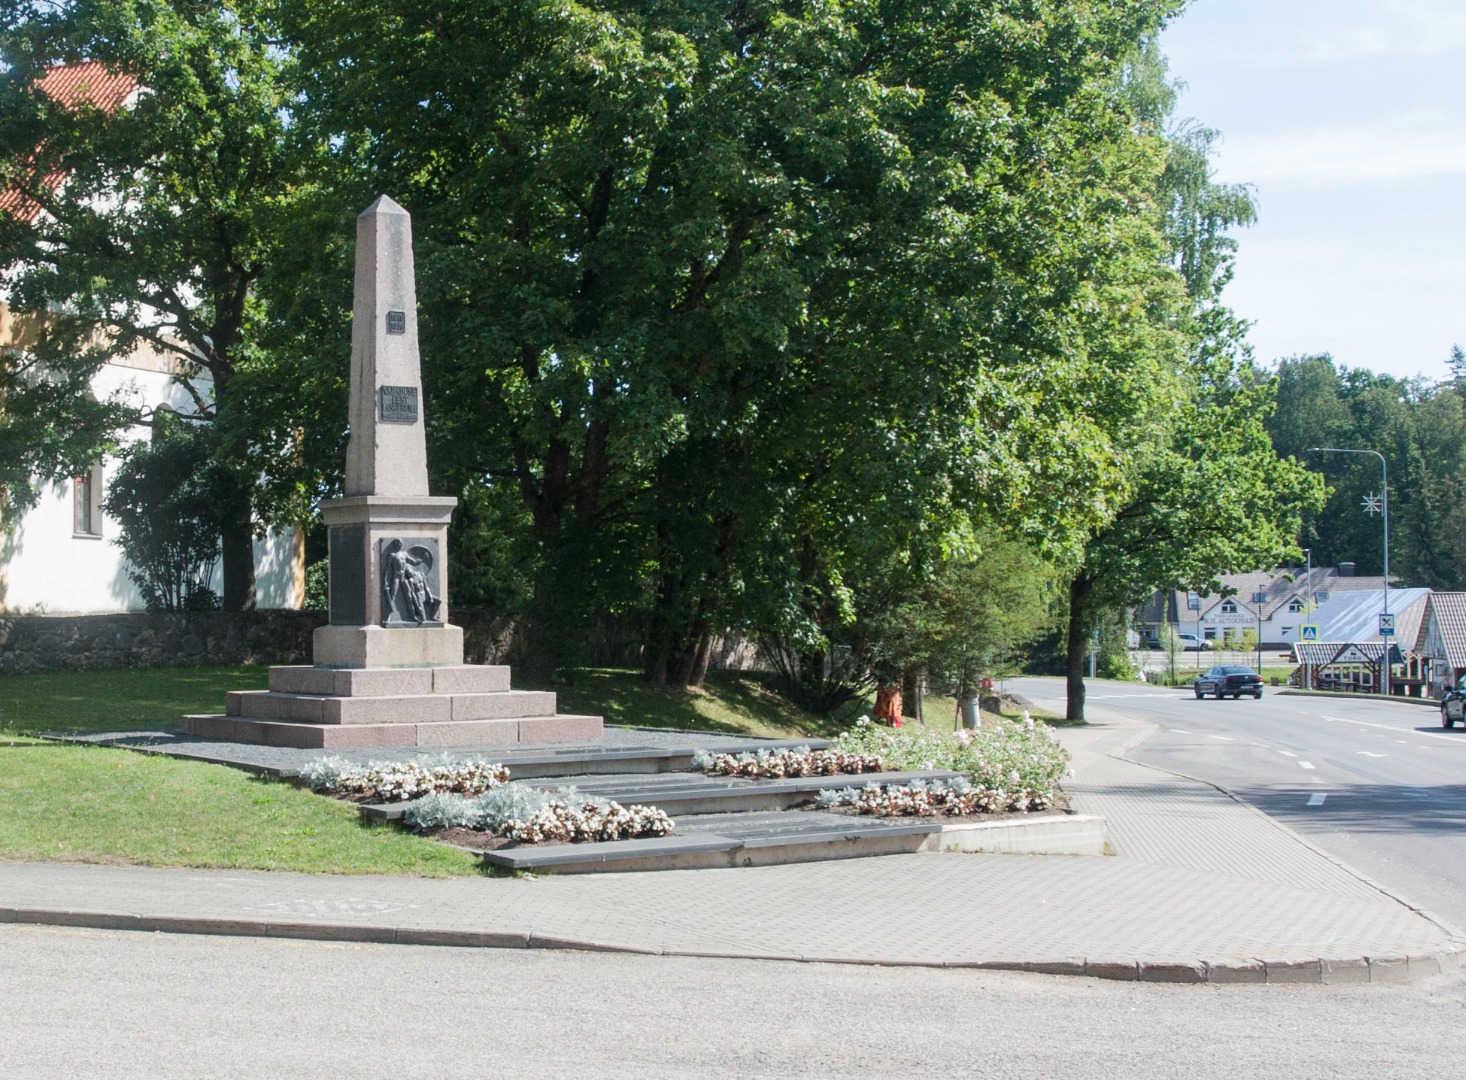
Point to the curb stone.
(1325, 971)
(1237, 971)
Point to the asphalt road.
(1379, 785)
(100, 1004)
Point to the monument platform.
(339, 708)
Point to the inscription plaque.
(396, 322)
(399, 404)
(347, 575)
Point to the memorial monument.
(389, 667)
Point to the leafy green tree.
(170, 211)
(164, 499)
(1209, 494)
(1419, 427)
(967, 621)
(743, 299)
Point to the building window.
(86, 500)
(1229, 607)
(1295, 606)
(1320, 597)
(1210, 633)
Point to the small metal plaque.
(396, 322)
(399, 404)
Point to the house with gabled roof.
(56, 559)
(1276, 604)
(1441, 640)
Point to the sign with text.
(1386, 625)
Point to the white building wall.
(46, 567)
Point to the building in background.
(1274, 604)
(1441, 640)
(58, 558)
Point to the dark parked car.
(1231, 679)
(1453, 707)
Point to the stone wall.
(139, 639)
(187, 639)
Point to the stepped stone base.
(452, 705)
(303, 736)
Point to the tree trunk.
(238, 546)
(1076, 644)
(913, 689)
(704, 656)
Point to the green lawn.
(738, 703)
(91, 804)
(135, 699)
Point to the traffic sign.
(1386, 625)
(1308, 632)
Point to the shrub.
(1006, 757)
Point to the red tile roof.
(73, 86)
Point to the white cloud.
(1411, 147)
(1264, 34)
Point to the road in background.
(1378, 784)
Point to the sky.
(1348, 118)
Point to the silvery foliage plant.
(533, 816)
(401, 780)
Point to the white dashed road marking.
(1317, 798)
(1368, 753)
(1391, 727)
(1287, 753)
(1305, 764)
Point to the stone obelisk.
(389, 667)
(388, 536)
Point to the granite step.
(590, 759)
(679, 794)
(793, 836)
(482, 736)
(429, 708)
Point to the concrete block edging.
(1318, 971)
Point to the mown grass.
(135, 699)
(68, 802)
(62, 801)
(733, 702)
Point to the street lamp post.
(1385, 507)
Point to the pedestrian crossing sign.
(1308, 633)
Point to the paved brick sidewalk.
(1201, 887)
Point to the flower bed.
(398, 781)
(1020, 764)
(957, 798)
(528, 815)
(777, 764)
